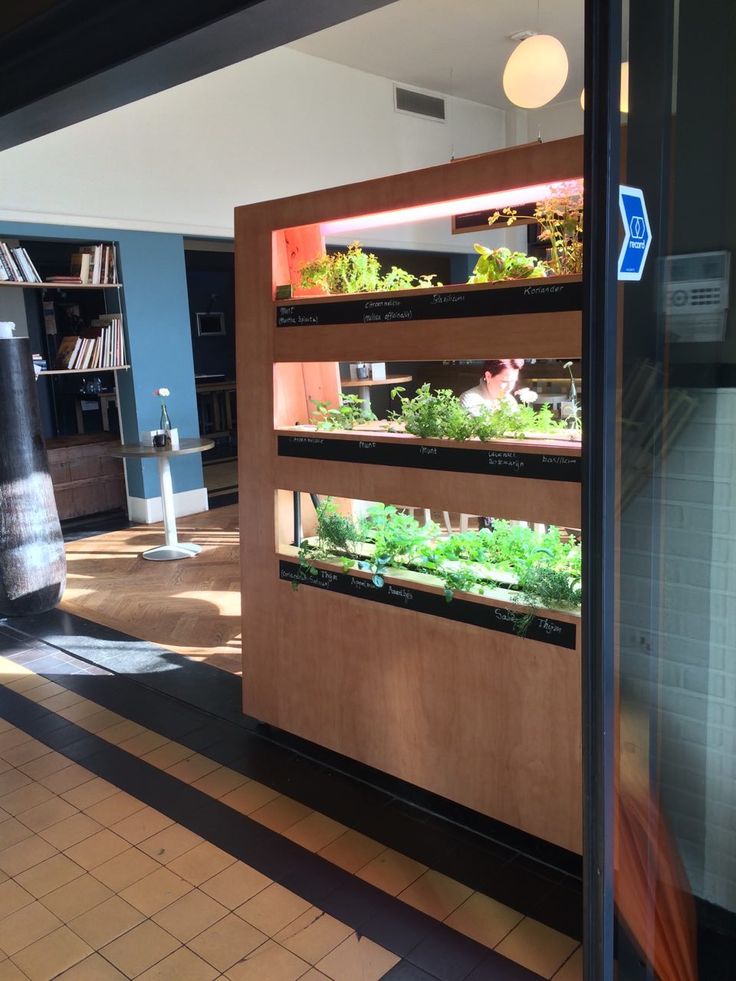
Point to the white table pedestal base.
(180, 550)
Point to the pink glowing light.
(493, 201)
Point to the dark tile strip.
(439, 951)
(509, 877)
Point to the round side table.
(173, 548)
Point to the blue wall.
(156, 312)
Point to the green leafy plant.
(347, 415)
(433, 414)
(356, 271)
(496, 265)
(441, 415)
(545, 567)
(561, 219)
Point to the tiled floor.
(136, 841)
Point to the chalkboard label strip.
(534, 296)
(544, 629)
(504, 463)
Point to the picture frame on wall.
(210, 324)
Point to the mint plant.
(497, 265)
(347, 415)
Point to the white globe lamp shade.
(624, 96)
(536, 71)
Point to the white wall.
(275, 125)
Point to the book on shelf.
(102, 346)
(95, 265)
(16, 265)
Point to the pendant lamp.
(535, 72)
(624, 96)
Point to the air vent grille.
(406, 100)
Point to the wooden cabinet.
(87, 479)
(445, 696)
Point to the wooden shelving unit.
(62, 286)
(84, 371)
(445, 696)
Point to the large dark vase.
(32, 561)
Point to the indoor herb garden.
(518, 563)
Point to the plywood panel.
(539, 335)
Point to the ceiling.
(457, 47)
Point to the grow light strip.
(494, 200)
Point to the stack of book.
(93, 265)
(104, 349)
(16, 266)
(39, 364)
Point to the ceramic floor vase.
(32, 561)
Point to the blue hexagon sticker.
(638, 233)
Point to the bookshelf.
(74, 292)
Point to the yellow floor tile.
(182, 965)
(190, 915)
(70, 831)
(12, 831)
(44, 691)
(80, 712)
(48, 957)
(167, 755)
(106, 922)
(391, 872)
(51, 762)
(193, 768)
(63, 700)
(572, 969)
(227, 941)
(25, 926)
(269, 962)
(249, 797)
(25, 753)
(313, 935)
(93, 968)
(89, 793)
(12, 780)
(273, 909)
(235, 885)
(114, 808)
(50, 812)
(314, 975)
(357, 957)
(140, 949)
(156, 891)
(315, 831)
(220, 782)
(121, 731)
(201, 863)
(170, 843)
(537, 947)
(47, 876)
(76, 897)
(280, 813)
(99, 720)
(435, 894)
(352, 851)
(12, 737)
(13, 897)
(141, 825)
(69, 778)
(96, 849)
(483, 919)
(9, 972)
(124, 869)
(144, 742)
(25, 854)
(24, 798)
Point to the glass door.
(660, 683)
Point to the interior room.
(303, 692)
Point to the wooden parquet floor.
(191, 606)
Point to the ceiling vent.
(419, 104)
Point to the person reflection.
(496, 386)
